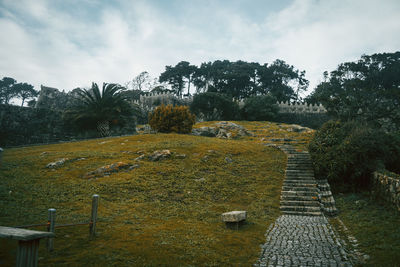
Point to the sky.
(72, 43)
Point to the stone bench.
(28, 244)
(234, 218)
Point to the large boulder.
(223, 129)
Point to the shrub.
(260, 108)
(214, 106)
(347, 153)
(166, 119)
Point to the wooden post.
(51, 228)
(28, 244)
(27, 253)
(93, 219)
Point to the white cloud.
(48, 45)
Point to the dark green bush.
(260, 108)
(347, 153)
(166, 119)
(214, 106)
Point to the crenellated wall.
(387, 187)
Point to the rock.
(205, 131)
(57, 163)
(108, 169)
(139, 158)
(180, 156)
(234, 216)
(205, 158)
(228, 160)
(134, 166)
(104, 142)
(297, 128)
(43, 154)
(160, 155)
(222, 129)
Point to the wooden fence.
(28, 240)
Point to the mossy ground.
(375, 224)
(162, 213)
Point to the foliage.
(25, 91)
(347, 153)
(238, 79)
(93, 108)
(375, 224)
(166, 119)
(260, 108)
(175, 76)
(7, 91)
(367, 89)
(214, 106)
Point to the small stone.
(234, 216)
(160, 155)
(180, 156)
(56, 164)
(139, 158)
(228, 160)
(134, 166)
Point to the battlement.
(54, 99)
(287, 107)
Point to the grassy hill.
(163, 212)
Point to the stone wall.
(311, 120)
(387, 187)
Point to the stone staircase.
(300, 192)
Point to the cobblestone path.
(302, 236)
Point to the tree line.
(238, 80)
(9, 89)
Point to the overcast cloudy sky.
(70, 43)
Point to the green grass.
(375, 224)
(162, 213)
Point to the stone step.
(303, 164)
(298, 198)
(297, 182)
(310, 203)
(306, 170)
(324, 187)
(299, 193)
(304, 213)
(300, 177)
(299, 172)
(300, 188)
(300, 208)
(297, 185)
(323, 194)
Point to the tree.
(95, 109)
(368, 89)
(282, 81)
(7, 90)
(176, 76)
(141, 82)
(259, 108)
(214, 106)
(24, 91)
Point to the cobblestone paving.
(295, 240)
(302, 236)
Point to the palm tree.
(93, 108)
